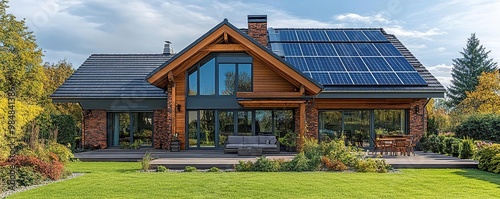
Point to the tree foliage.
(20, 58)
(485, 98)
(467, 69)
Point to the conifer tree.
(467, 69)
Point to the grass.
(122, 180)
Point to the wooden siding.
(363, 103)
(180, 116)
(266, 80)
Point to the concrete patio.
(203, 159)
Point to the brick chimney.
(257, 28)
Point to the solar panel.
(341, 78)
(336, 35)
(399, 64)
(322, 78)
(345, 49)
(387, 78)
(411, 78)
(375, 35)
(387, 49)
(344, 57)
(363, 78)
(353, 64)
(376, 64)
(356, 35)
(365, 49)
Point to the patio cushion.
(234, 146)
(235, 139)
(251, 140)
(273, 146)
(267, 139)
(251, 145)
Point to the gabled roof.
(158, 76)
(106, 76)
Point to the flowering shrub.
(51, 170)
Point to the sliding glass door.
(129, 128)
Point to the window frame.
(220, 58)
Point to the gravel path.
(21, 189)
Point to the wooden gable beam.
(225, 48)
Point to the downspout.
(83, 126)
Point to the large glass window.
(193, 128)
(221, 75)
(330, 125)
(244, 122)
(244, 77)
(227, 75)
(129, 128)
(207, 78)
(283, 123)
(390, 122)
(193, 83)
(226, 125)
(361, 127)
(263, 122)
(207, 128)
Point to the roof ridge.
(327, 28)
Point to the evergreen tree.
(467, 69)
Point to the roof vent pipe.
(167, 49)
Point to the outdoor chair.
(400, 145)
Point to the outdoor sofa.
(268, 143)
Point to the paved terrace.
(203, 159)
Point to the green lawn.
(121, 180)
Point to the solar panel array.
(344, 57)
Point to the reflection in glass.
(192, 128)
(124, 125)
(244, 77)
(207, 78)
(330, 125)
(226, 126)
(207, 128)
(227, 75)
(193, 83)
(357, 128)
(390, 122)
(143, 128)
(244, 122)
(263, 122)
(283, 122)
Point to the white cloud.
(442, 72)
(352, 17)
(441, 49)
(399, 31)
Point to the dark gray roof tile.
(113, 76)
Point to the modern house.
(288, 82)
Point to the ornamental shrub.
(62, 152)
(480, 127)
(214, 169)
(161, 168)
(27, 176)
(243, 166)
(51, 170)
(265, 165)
(455, 147)
(489, 158)
(466, 148)
(333, 165)
(190, 169)
(300, 163)
(372, 165)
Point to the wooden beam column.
(173, 106)
(302, 126)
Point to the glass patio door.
(201, 129)
(357, 127)
(129, 128)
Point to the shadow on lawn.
(480, 175)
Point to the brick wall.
(94, 129)
(163, 124)
(311, 120)
(418, 121)
(258, 31)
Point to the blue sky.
(434, 31)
